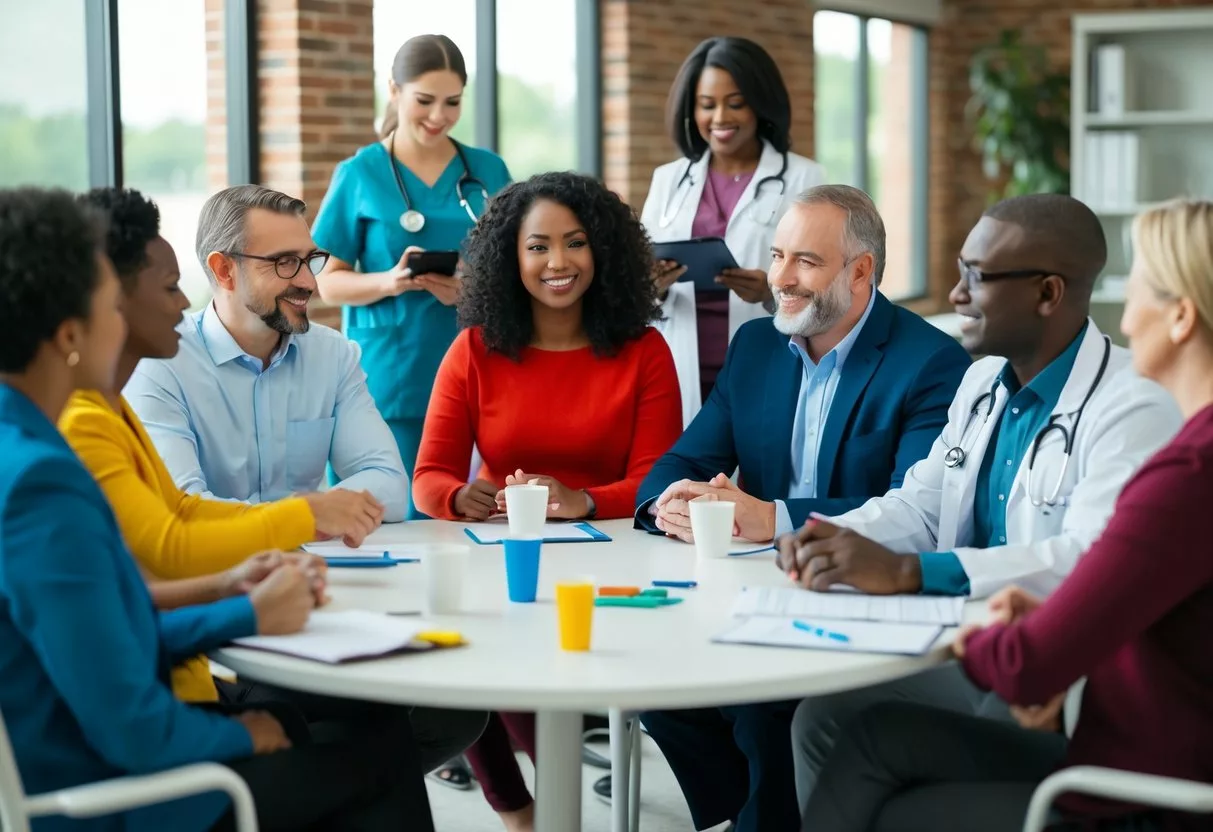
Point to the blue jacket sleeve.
(923, 415)
(943, 574)
(705, 449)
(65, 580)
(187, 631)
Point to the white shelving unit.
(1167, 110)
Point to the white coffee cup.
(712, 526)
(526, 506)
(444, 566)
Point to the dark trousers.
(902, 767)
(732, 763)
(493, 761)
(438, 733)
(366, 779)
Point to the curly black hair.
(49, 244)
(134, 221)
(620, 302)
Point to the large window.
(537, 85)
(534, 76)
(164, 98)
(871, 129)
(43, 97)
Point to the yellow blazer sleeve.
(173, 535)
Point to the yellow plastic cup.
(575, 609)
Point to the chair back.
(12, 793)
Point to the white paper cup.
(444, 566)
(526, 506)
(712, 526)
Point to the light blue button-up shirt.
(818, 383)
(229, 429)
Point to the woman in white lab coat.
(729, 114)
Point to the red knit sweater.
(592, 423)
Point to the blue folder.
(596, 536)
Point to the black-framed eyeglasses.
(973, 276)
(287, 266)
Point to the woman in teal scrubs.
(414, 189)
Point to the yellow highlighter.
(442, 638)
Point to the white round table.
(641, 659)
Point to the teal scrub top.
(403, 338)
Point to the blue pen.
(677, 584)
(818, 631)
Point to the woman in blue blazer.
(84, 656)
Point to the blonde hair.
(1174, 242)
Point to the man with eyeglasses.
(257, 403)
(1041, 437)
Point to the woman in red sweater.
(556, 377)
(1134, 617)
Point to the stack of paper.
(900, 609)
(336, 637)
(846, 620)
(862, 636)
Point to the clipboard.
(704, 257)
(484, 534)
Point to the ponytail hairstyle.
(419, 55)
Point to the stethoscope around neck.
(957, 455)
(413, 220)
(678, 197)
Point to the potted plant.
(1020, 111)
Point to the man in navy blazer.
(820, 408)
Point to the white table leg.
(634, 775)
(621, 757)
(558, 771)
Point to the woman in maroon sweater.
(1134, 617)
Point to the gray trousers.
(901, 767)
(820, 719)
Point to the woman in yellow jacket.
(176, 536)
(171, 534)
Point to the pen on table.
(677, 584)
(818, 631)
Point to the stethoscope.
(413, 220)
(957, 455)
(678, 198)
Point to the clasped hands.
(481, 499)
(753, 519)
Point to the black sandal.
(455, 774)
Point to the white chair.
(1145, 789)
(117, 795)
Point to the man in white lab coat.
(1040, 439)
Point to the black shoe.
(602, 788)
(456, 774)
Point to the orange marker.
(621, 591)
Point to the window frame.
(920, 151)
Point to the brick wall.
(317, 97)
(958, 188)
(643, 44)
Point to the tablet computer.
(433, 262)
(704, 257)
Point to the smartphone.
(433, 262)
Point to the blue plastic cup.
(522, 569)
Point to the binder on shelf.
(1110, 78)
(1092, 171)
